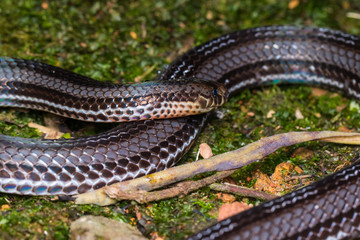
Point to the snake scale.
(328, 209)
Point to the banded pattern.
(248, 58)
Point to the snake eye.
(215, 92)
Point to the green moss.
(96, 38)
(178, 216)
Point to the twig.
(298, 177)
(354, 15)
(241, 191)
(227, 161)
(181, 188)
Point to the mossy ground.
(119, 41)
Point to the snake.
(155, 136)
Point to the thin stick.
(227, 161)
(181, 188)
(241, 191)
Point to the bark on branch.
(222, 162)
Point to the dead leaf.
(229, 209)
(45, 5)
(138, 213)
(243, 108)
(205, 150)
(182, 25)
(155, 236)
(277, 182)
(133, 35)
(282, 170)
(5, 207)
(298, 114)
(49, 132)
(303, 153)
(225, 197)
(317, 92)
(221, 23)
(209, 15)
(341, 107)
(318, 115)
(270, 114)
(251, 114)
(343, 129)
(298, 170)
(264, 183)
(293, 4)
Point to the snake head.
(168, 99)
(193, 96)
(212, 95)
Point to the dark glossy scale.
(243, 59)
(71, 166)
(328, 208)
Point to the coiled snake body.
(239, 60)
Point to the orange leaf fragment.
(155, 236)
(138, 213)
(225, 197)
(205, 150)
(229, 209)
(284, 169)
(133, 35)
(293, 4)
(341, 107)
(318, 115)
(303, 152)
(209, 15)
(281, 170)
(264, 183)
(298, 170)
(298, 114)
(344, 129)
(182, 25)
(317, 92)
(270, 114)
(5, 207)
(45, 5)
